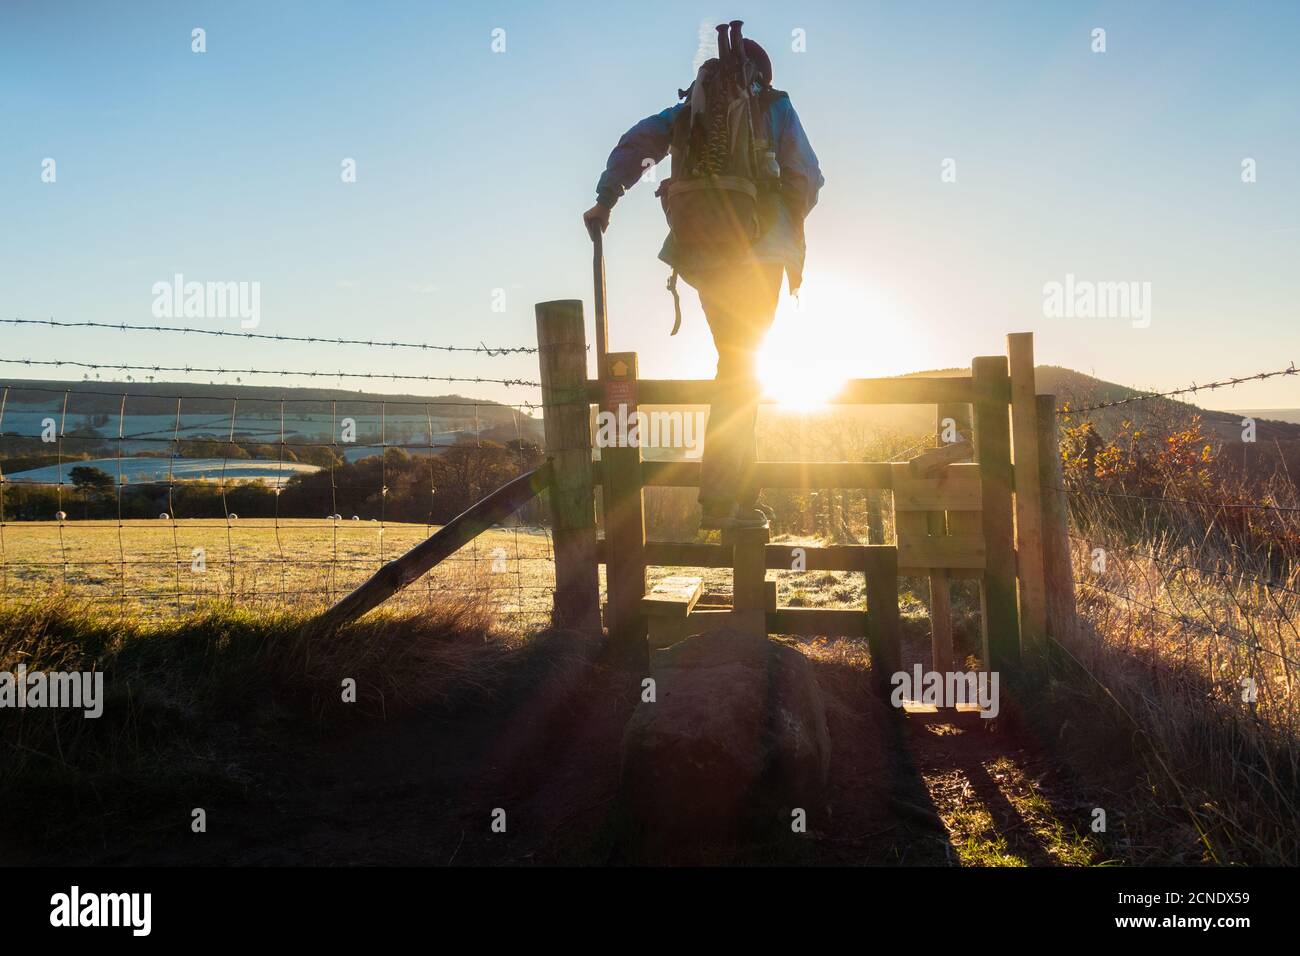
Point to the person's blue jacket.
(801, 180)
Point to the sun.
(837, 330)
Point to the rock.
(735, 740)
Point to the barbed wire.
(480, 349)
(1209, 386)
(190, 369)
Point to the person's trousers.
(740, 305)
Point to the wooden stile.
(1001, 523)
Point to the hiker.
(743, 179)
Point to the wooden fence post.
(993, 452)
(623, 506)
(1057, 568)
(562, 354)
(884, 628)
(1029, 499)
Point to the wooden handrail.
(456, 533)
(955, 389)
(798, 474)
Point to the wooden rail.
(921, 390)
(987, 519)
(820, 474)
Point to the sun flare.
(835, 331)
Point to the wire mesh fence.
(161, 497)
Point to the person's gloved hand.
(597, 215)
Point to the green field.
(298, 562)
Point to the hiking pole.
(598, 280)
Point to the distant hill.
(1080, 389)
(355, 424)
(1290, 415)
(159, 399)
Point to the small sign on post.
(620, 384)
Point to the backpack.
(720, 159)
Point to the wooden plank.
(623, 506)
(950, 551)
(918, 390)
(455, 534)
(1058, 575)
(993, 451)
(806, 475)
(911, 524)
(778, 474)
(818, 622)
(562, 354)
(1029, 499)
(866, 558)
(947, 493)
(869, 559)
(819, 475)
(674, 596)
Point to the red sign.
(620, 393)
(619, 389)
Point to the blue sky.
(473, 168)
